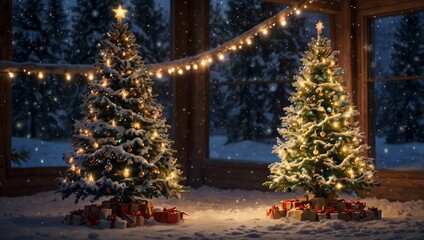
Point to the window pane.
(44, 109)
(244, 117)
(397, 47)
(400, 124)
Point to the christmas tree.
(321, 149)
(121, 144)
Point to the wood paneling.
(388, 7)
(5, 88)
(190, 36)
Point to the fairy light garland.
(176, 67)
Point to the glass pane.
(397, 48)
(400, 124)
(244, 117)
(244, 126)
(46, 106)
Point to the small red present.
(136, 219)
(275, 213)
(355, 205)
(328, 213)
(168, 215)
(289, 204)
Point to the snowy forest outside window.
(46, 106)
(396, 84)
(248, 92)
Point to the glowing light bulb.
(283, 22)
(297, 12)
(249, 42)
(265, 31)
(203, 63)
(195, 66)
(188, 67)
(335, 124)
(73, 168)
(40, 75)
(90, 77)
(180, 71)
(11, 75)
(339, 186)
(68, 77)
(159, 74)
(221, 56)
(113, 123)
(137, 125)
(95, 145)
(170, 71)
(90, 178)
(126, 172)
(154, 135)
(210, 60)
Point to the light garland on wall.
(176, 67)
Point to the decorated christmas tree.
(321, 148)
(121, 146)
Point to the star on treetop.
(319, 27)
(120, 13)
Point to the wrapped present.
(134, 207)
(75, 218)
(307, 197)
(93, 208)
(92, 219)
(375, 212)
(355, 205)
(146, 207)
(289, 204)
(330, 213)
(321, 215)
(318, 202)
(122, 209)
(354, 215)
(104, 212)
(137, 218)
(305, 214)
(112, 222)
(338, 204)
(168, 215)
(344, 216)
(275, 213)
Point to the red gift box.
(168, 215)
(275, 213)
(287, 205)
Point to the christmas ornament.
(302, 147)
(329, 109)
(320, 94)
(315, 152)
(129, 150)
(108, 167)
(322, 134)
(141, 174)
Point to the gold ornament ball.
(322, 134)
(108, 167)
(315, 152)
(320, 94)
(302, 148)
(129, 150)
(141, 174)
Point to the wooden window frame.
(395, 184)
(247, 175)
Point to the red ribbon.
(112, 219)
(271, 211)
(170, 210)
(139, 213)
(360, 204)
(327, 212)
(92, 218)
(78, 212)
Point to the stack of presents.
(114, 214)
(311, 208)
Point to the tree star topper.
(319, 27)
(120, 13)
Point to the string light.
(217, 53)
(90, 178)
(11, 75)
(40, 75)
(126, 172)
(339, 186)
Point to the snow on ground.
(213, 214)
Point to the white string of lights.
(179, 66)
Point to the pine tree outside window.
(396, 96)
(248, 91)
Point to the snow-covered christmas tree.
(321, 149)
(121, 145)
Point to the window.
(396, 89)
(45, 106)
(250, 88)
